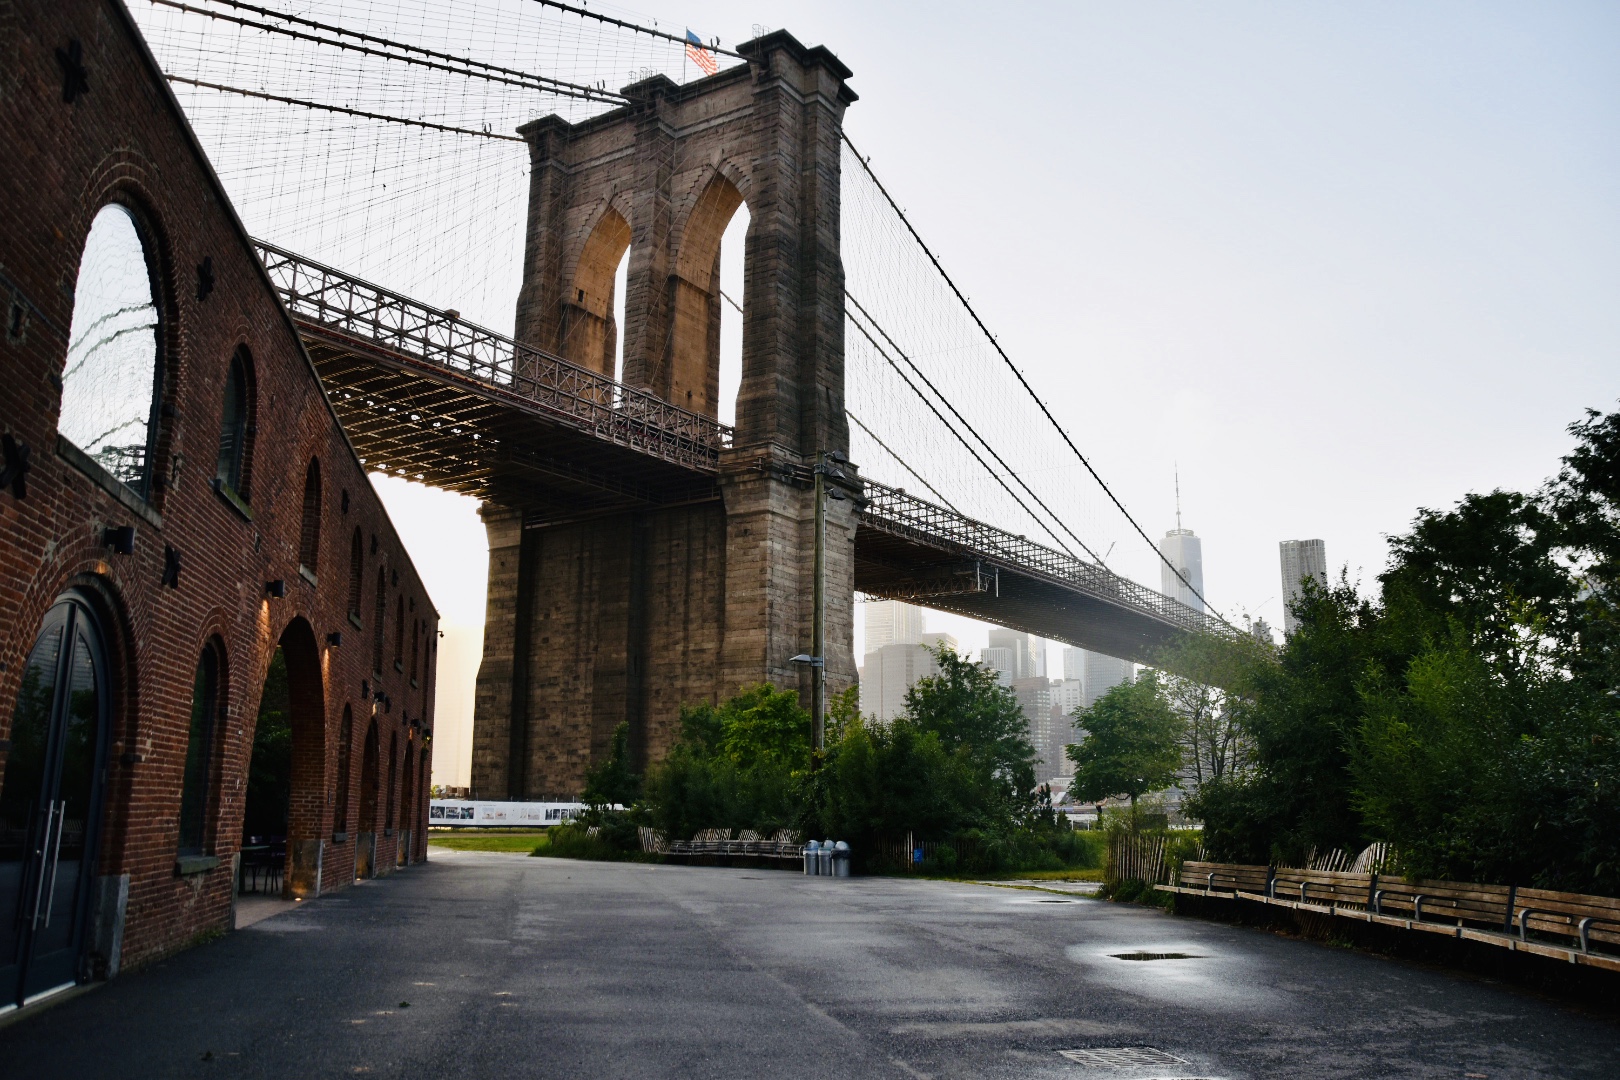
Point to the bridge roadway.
(488, 967)
(429, 396)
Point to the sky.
(1331, 262)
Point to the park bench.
(784, 844)
(1211, 877)
(1324, 889)
(1564, 926)
(1584, 919)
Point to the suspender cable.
(588, 14)
(982, 440)
(1022, 381)
(919, 476)
(967, 445)
(438, 61)
(340, 109)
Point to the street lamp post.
(827, 465)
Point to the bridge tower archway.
(619, 606)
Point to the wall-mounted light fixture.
(276, 588)
(335, 639)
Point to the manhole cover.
(1122, 1057)
(1154, 956)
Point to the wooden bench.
(1429, 902)
(1502, 915)
(1326, 889)
(1569, 915)
(1231, 878)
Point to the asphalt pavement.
(499, 966)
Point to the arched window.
(235, 426)
(399, 634)
(340, 819)
(357, 566)
(379, 616)
(309, 539)
(205, 711)
(111, 383)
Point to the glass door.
(49, 800)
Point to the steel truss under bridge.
(910, 549)
(425, 394)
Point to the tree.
(1208, 690)
(1132, 746)
(612, 782)
(972, 714)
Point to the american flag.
(700, 56)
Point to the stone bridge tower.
(626, 612)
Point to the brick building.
(181, 515)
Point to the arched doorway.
(50, 802)
(286, 796)
(365, 850)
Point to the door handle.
(56, 851)
(44, 846)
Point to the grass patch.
(517, 841)
(1093, 873)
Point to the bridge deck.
(426, 395)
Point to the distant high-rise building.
(999, 660)
(1074, 663)
(1103, 673)
(1021, 646)
(1301, 559)
(888, 674)
(1183, 551)
(1181, 571)
(1034, 695)
(892, 622)
(936, 641)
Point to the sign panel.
(476, 814)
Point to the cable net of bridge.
(379, 138)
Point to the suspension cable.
(917, 475)
(588, 14)
(974, 315)
(470, 68)
(1056, 539)
(920, 478)
(340, 109)
(964, 422)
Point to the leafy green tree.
(737, 765)
(1133, 743)
(972, 714)
(1466, 713)
(612, 781)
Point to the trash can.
(824, 859)
(840, 859)
(811, 864)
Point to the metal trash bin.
(824, 859)
(811, 859)
(840, 859)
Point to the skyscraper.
(896, 656)
(1301, 559)
(1103, 673)
(1182, 550)
(1021, 647)
(892, 622)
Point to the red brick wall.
(126, 140)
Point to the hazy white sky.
(1336, 261)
